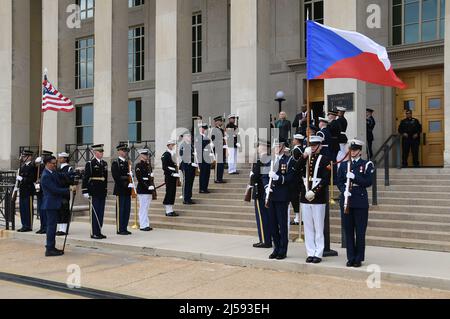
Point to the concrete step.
(405, 216)
(403, 175)
(207, 207)
(444, 201)
(412, 209)
(417, 188)
(417, 182)
(401, 224)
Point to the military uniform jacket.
(66, 176)
(217, 136)
(168, 165)
(144, 176)
(203, 149)
(363, 171)
(297, 155)
(28, 173)
(187, 155)
(370, 125)
(319, 178)
(325, 134)
(119, 171)
(232, 135)
(343, 124)
(410, 127)
(95, 178)
(335, 132)
(284, 168)
(259, 169)
(41, 169)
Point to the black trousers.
(355, 227)
(295, 199)
(188, 182)
(64, 213)
(410, 145)
(171, 190)
(369, 149)
(279, 226)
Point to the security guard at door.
(26, 179)
(410, 130)
(355, 217)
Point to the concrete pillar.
(347, 20)
(250, 62)
(447, 86)
(173, 90)
(111, 74)
(51, 139)
(15, 86)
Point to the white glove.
(37, 187)
(131, 185)
(152, 175)
(350, 175)
(151, 188)
(238, 145)
(176, 175)
(194, 165)
(38, 160)
(19, 178)
(347, 194)
(225, 147)
(130, 174)
(86, 195)
(310, 196)
(274, 176)
(308, 151)
(268, 190)
(172, 169)
(251, 174)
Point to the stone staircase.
(413, 212)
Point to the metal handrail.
(7, 207)
(136, 146)
(385, 150)
(79, 154)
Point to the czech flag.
(334, 53)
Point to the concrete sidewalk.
(415, 267)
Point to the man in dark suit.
(300, 121)
(26, 179)
(53, 194)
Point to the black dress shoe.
(172, 214)
(317, 260)
(205, 192)
(54, 253)
(189, 203)
(103, 236)
(220, 182)
(281, 257)
(266, 246)
(123, 233)
(273, 256)
(60, 233)
(309, 260)
(349, 264)
(97, 237)
(24, 230)
(294, 223)
(357, 264)
(41, 232)
(147, 229)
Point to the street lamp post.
(280, 98)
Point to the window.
(84, 63)
(195, 103)
(197, 43)
(416, 21)
(86, 8)
(135, 120)
(135, 3)
(136, 54)
(84, 124)
(313, 10)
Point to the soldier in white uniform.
(145, 188)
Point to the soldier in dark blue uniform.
(325, 134)
(219, 141)
(95, 189)
(259, 169)
(276, 184)
(343, 123)
(188, 166)
(356, 213)
(39, 195)
(67, 176)
(204, 153)
(26, 179)
(296, 185)
(171, 177)
(120, 170)
(370, 126)
(335, 132)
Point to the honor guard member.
(53, 194)
(203, 149)
(370, 126)
(296, 185)
(120, 170)
(325, 134)
(25, 181)
(171, 177)
(40, 169)
(276, 185)
(335, 131)
(233, 144)
(67, 176)
(145, 188)
(219, 142)
(188, 167)
(259, 169)
(410, 129)
(355, 217)
(95, 189)
(316, 178)
(343, 136)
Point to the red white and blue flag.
(334, 53)
(52, 100)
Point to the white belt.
(145, 178)
(343, 133)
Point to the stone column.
(111, 74)
(347, 20)
(173, 74)
(51, 140)
(250, 62)
(447, 86)
(15, 86)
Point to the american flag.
(52, 100)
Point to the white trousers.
(144, 206)
(313, 222)
(232, 160)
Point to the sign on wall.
(341, 100)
